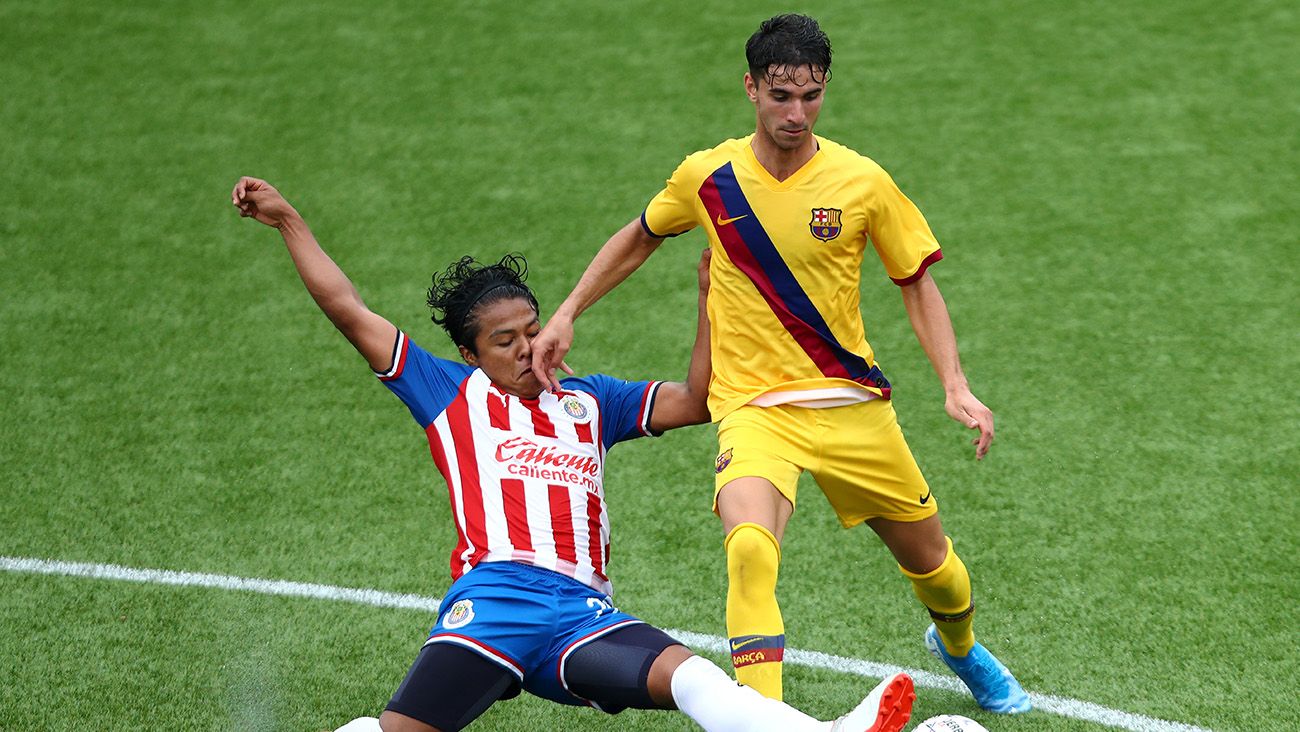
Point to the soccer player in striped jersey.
(795, 385)
(531, 604)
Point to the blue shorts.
(528, 620)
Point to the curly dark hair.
(788, 41)
(468, 285)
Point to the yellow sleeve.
(672, 210)
(898, 231)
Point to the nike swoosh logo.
(745, 642)
(925, 498)
(724, 222)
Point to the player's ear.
(751, 87)
(468, 355)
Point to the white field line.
(1062, 706)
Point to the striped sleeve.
(425, 383)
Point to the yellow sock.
(946, 593)
(754, 622)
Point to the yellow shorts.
(856, 453)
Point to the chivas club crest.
(723, 461)
(825, 224)
(459, 616)
(574, 408)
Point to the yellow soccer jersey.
(787, 256)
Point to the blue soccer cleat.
(992, 685)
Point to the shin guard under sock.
(754, 624)
(946, 592)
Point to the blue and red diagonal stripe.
(751, 249)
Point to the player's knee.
(930, 559)
(752, 552)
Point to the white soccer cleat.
(886, 709)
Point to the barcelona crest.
(825, 224)
(723, 461)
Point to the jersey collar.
(768, 180)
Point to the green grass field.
(1114, 184)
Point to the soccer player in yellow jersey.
(795, 385)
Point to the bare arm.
(933, 326)
(626, 250)
(372, 335)
(682, 403)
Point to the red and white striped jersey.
(524, 476)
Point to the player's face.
(504, 346)
(787, 104)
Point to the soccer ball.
(950, 723)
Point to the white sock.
(706, 694)
(361, 724)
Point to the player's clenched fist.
(258, 199)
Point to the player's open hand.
(255, 198)
(549, 348)
(971, 412)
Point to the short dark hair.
(788, 41)
(467, 285)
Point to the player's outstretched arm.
(626, 250)
(933, 326)
(682, 403)
(372, 335)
